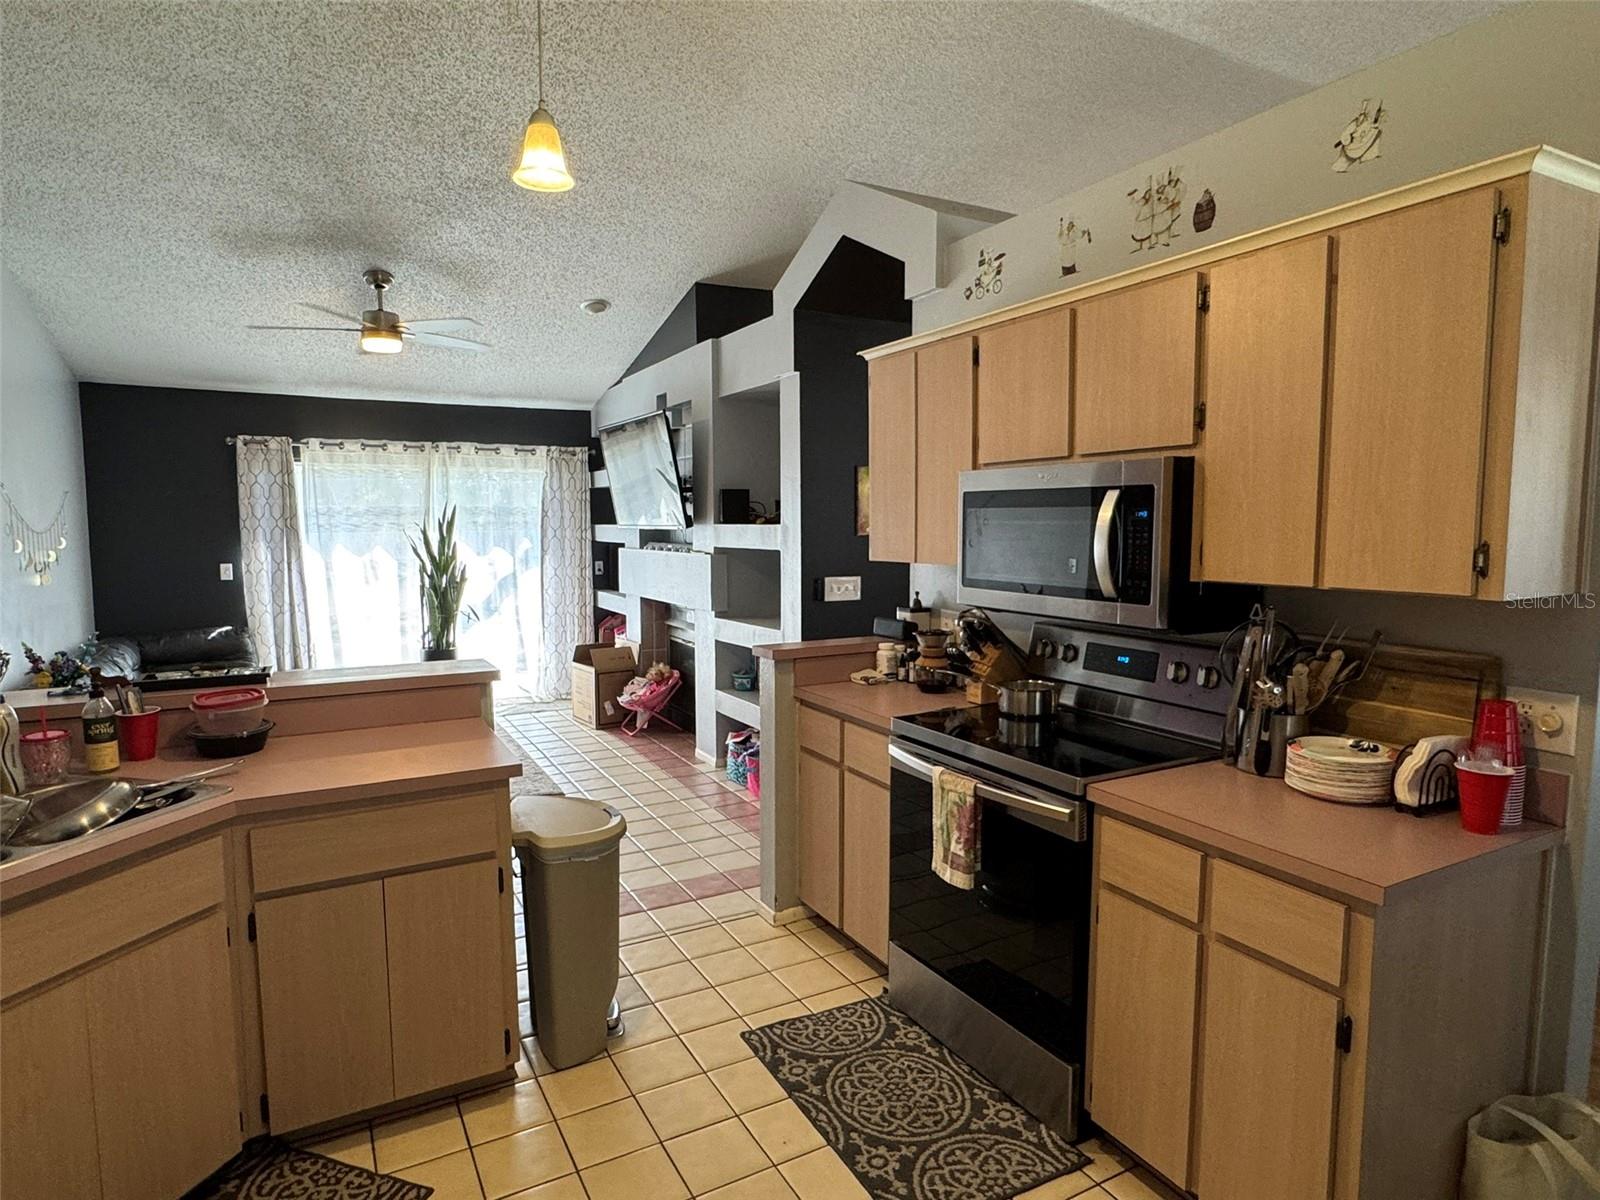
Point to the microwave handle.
(984, 791)
(1104, 525)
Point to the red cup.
(1498, 731)
(1484, 788)
(136, 734)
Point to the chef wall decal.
(987, 281)
(1157, 208)
(1359, 141)
(1068, 234)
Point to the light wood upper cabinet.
(1407, 400)
(1136, 367)
(164, 1058)
(1141, 1050)
(1023, 388)
(1266, 1112)
(820, 799)
(1259, 487)
(445, 957)
(325, 1003)
(892, 453)
(47, 1096)
(944, 444)
(864, 902)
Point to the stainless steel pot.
(1028, 699)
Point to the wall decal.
(1359, 141)
(1157, 208)
(1205, 211)
(987, 281)
(1068, 234)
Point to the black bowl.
(229, 745)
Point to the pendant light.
(542, 166)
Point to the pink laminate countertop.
(289, 685)
(823, 647)
(878, 704)
(1370, 855)
(312, 770)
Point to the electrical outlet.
(225, 572)
(841, 587)
(1549, 720)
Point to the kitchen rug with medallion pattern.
(269, 1169)
(910, 1119)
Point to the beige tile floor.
(677, 1106)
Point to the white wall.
(41, 456)
(1521, 78)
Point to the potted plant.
(444, 578)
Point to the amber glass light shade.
(542, 166)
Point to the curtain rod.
(364, 444)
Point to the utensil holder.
(1282, 729)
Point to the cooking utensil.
(70, 810)
(150, 791)
(1028, 699)
(1238, 713)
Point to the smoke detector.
(595, 307)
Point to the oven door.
(1083, 541)
(1017, 944)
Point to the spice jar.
(45, 753)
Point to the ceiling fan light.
(543, 164)
(381, 341)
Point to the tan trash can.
(567, 847)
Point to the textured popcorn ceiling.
(174, 171)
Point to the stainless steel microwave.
(1102, 540)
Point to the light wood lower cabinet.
(819, 835)
(380, 990)
(1267, 1097)
(864, 906)
(163, 1058)
(47, 1097)
(1338, 1052)
(1145, 983)
(844, 826)
(324, 1003)
(444, 975)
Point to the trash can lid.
(563, 824)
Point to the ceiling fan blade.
(442, 325)
(328, 312)
(308, 328)
(423, 338)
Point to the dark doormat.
(268, 1169)
(909, 1118)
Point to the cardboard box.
(599, 673)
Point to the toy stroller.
(645, 698)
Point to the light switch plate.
(225, 572)
(841, 587)
(1549, 720)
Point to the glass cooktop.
(1066, 752)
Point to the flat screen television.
(646, 491)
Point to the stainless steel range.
(1000, 973)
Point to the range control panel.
(1168, 669)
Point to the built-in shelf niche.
(745, 446)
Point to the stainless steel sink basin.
(69, 810)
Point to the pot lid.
(226, 698)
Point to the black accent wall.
(857, 300)
(162, 495)
(707, 310)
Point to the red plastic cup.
(136, 734)
(1498, 732)
(1484, 788)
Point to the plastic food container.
(229, 710)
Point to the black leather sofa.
(179, 657)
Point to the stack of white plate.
(1342, 769)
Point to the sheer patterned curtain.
(270, 567)
(567, 590)
(515, 508)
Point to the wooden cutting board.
(1410, 692)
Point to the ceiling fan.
(381, 330)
